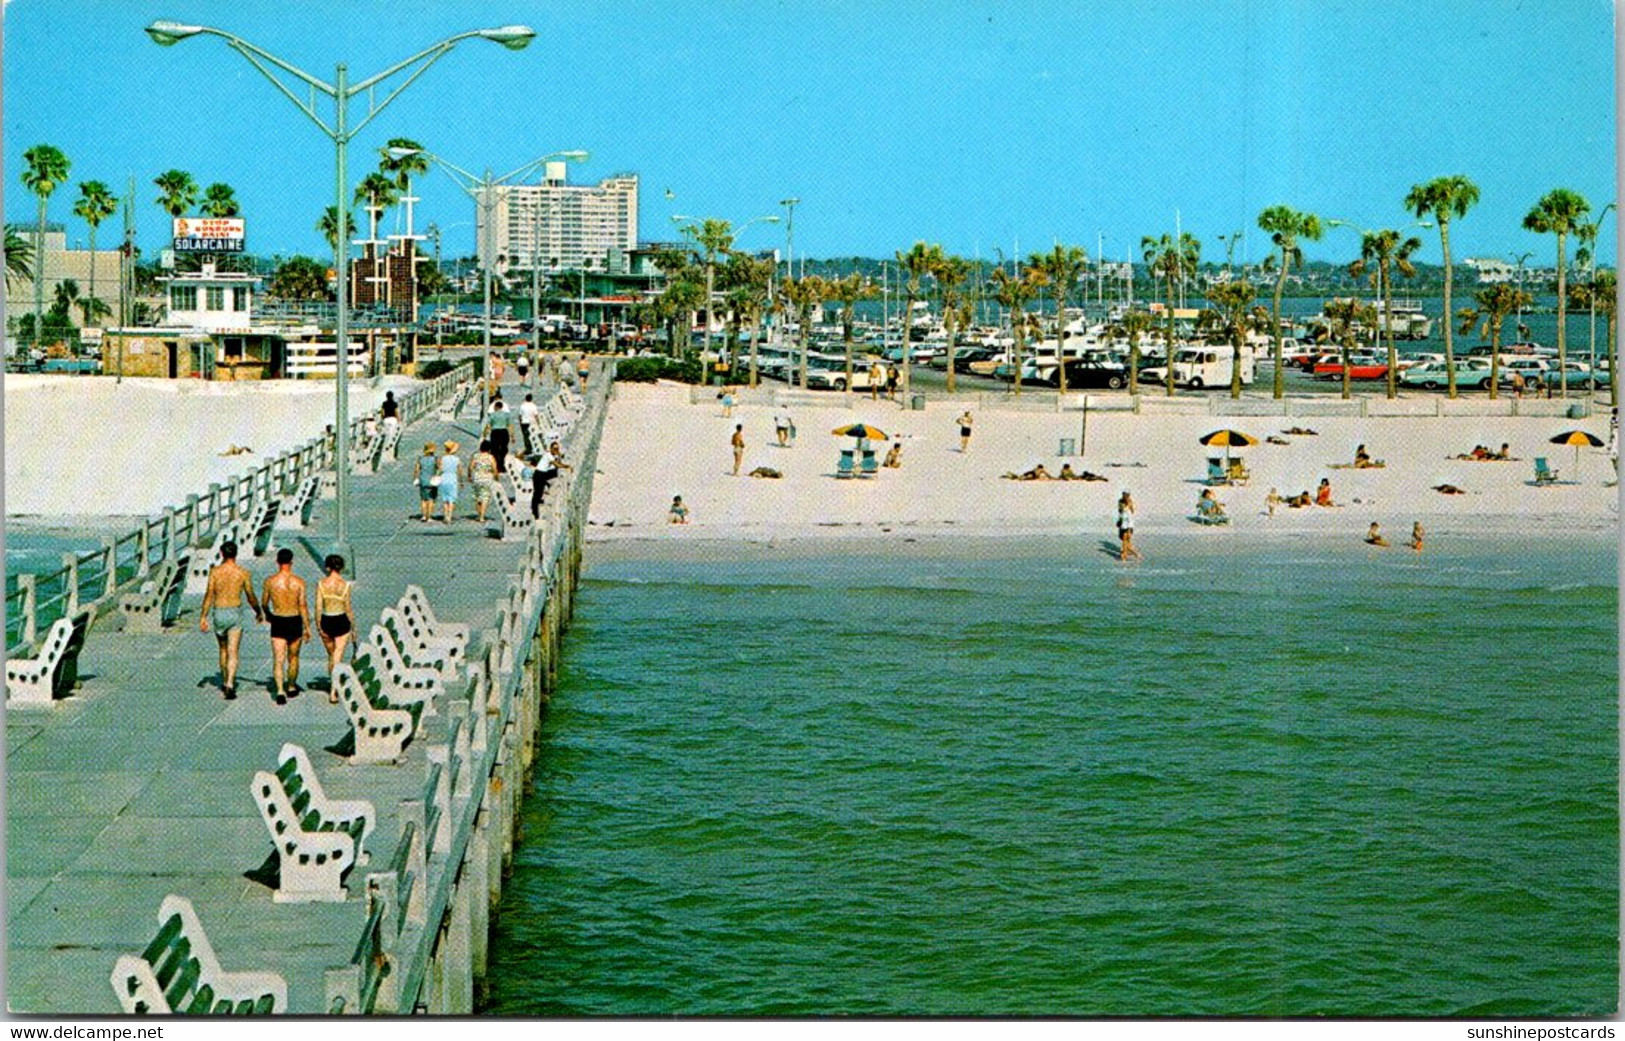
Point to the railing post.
(110, 556)
(190, 513)
(70, 591)
(143, 547)
(30, 590)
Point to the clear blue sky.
(973, 124)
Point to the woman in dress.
(482, 474)
(447, 468)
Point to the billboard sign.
(208, 234)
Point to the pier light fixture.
(338, 128)
(480, 189)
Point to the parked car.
(966, 357)
(1577, 374)
(1534, 371)
(1433, 375)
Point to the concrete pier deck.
(138, 786)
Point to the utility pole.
(126, 273)
(790, 237)
(439, 323)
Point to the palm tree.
(179, 192)
(1444, 198)
(401, 169)
(849, 291)
(952, 273)
(378, 192)
(715, 237)
(1495, 302)
(1171, 259)
(1586, 256)
(1061, 266)
(46, 170)
(1560, 212)
(1233, 316)
(1342, 316)
(19, 257)
(65, 296)
(682, 299)
(219, 200)
(1387, 251)
(801, 295)
(329, 227)
(1014, 293)
(1605, 291)
(1134, 324)
(919, 261)
(1286, 226)
(95, 204)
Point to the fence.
(96, 577)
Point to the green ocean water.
(1295, 779)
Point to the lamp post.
(1520, 258)
(692, 230)
(790, 236)
(483, 191)
(341, 90)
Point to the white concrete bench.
(178, 973)
(54, 672)
(389, 446)
(294, 513)
(513, 517)
(418, 600)
(454, 404)
(157, 603)
(381, 727)
(409, 627)
(258, 523)
(403, 660)
(317, 839)
(197, 573)
(383, 672)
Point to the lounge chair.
(1544, 474)
(869, 466)
(844, 468)
(1208, 513)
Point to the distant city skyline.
(988, 128)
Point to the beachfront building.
(384, 292)
(1492, 269)
(558, 226)
(63, 264)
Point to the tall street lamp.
(790, 236)
(339, 130)
(1520, 258)
(692, 227)
(483, 191)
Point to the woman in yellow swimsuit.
(335, 616)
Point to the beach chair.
(1238, 473)
(178, 973)
(844, 468)
(1544, 474)
(317, 839)
(869, 466)
(1208, 514)
(1216, 473)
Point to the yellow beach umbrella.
(1579, 439)
(1226, 439)
(860, 430)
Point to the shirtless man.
(222, 611)
(287, 608)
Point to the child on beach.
(1125, 529)
(894, 457)
(1416, 536)
(1272, 500)
(1323, 494)
(1373, 536)
(727, 402)
(679, 512)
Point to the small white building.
(1492, 269)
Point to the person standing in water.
(222, 610)
(1125, 529)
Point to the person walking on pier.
(391, 411)
(446, 468)
(335, 616)
(287, 608)
(522, 366)
(482, 476)
(499, 428)
(229, 585)
(424, 474)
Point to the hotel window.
(239, 298)
(215, 298)
(183, 298)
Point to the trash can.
(1068, 446)
(917, 402)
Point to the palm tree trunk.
(1495, 355)
(1235, 363)
(1060, 339)
(846, 336)
(1610, 318)
(39, 271)
(1170, 365)
(1018, 323)
(1280, 287)
(1562, 320)
(908, 327)
(1449, 338)
(1388, 320)
(806, 323)
(1134, 365)
(1347, 341)
(755, 327)
(92, 311)
(952, 334)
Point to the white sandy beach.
(86, 447)
(657, 444)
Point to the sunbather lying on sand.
(1037, 473)
(238, 450)
(1448, 489)
(1301, 500)
(1068, 474)
(1300, 431)
(1273, 440)
(765, 471)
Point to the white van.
(1206, 366)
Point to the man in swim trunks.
(287, 608)
(222, 612)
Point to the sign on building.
(208, 234)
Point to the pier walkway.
(139, 785)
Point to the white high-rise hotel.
(559, 226)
